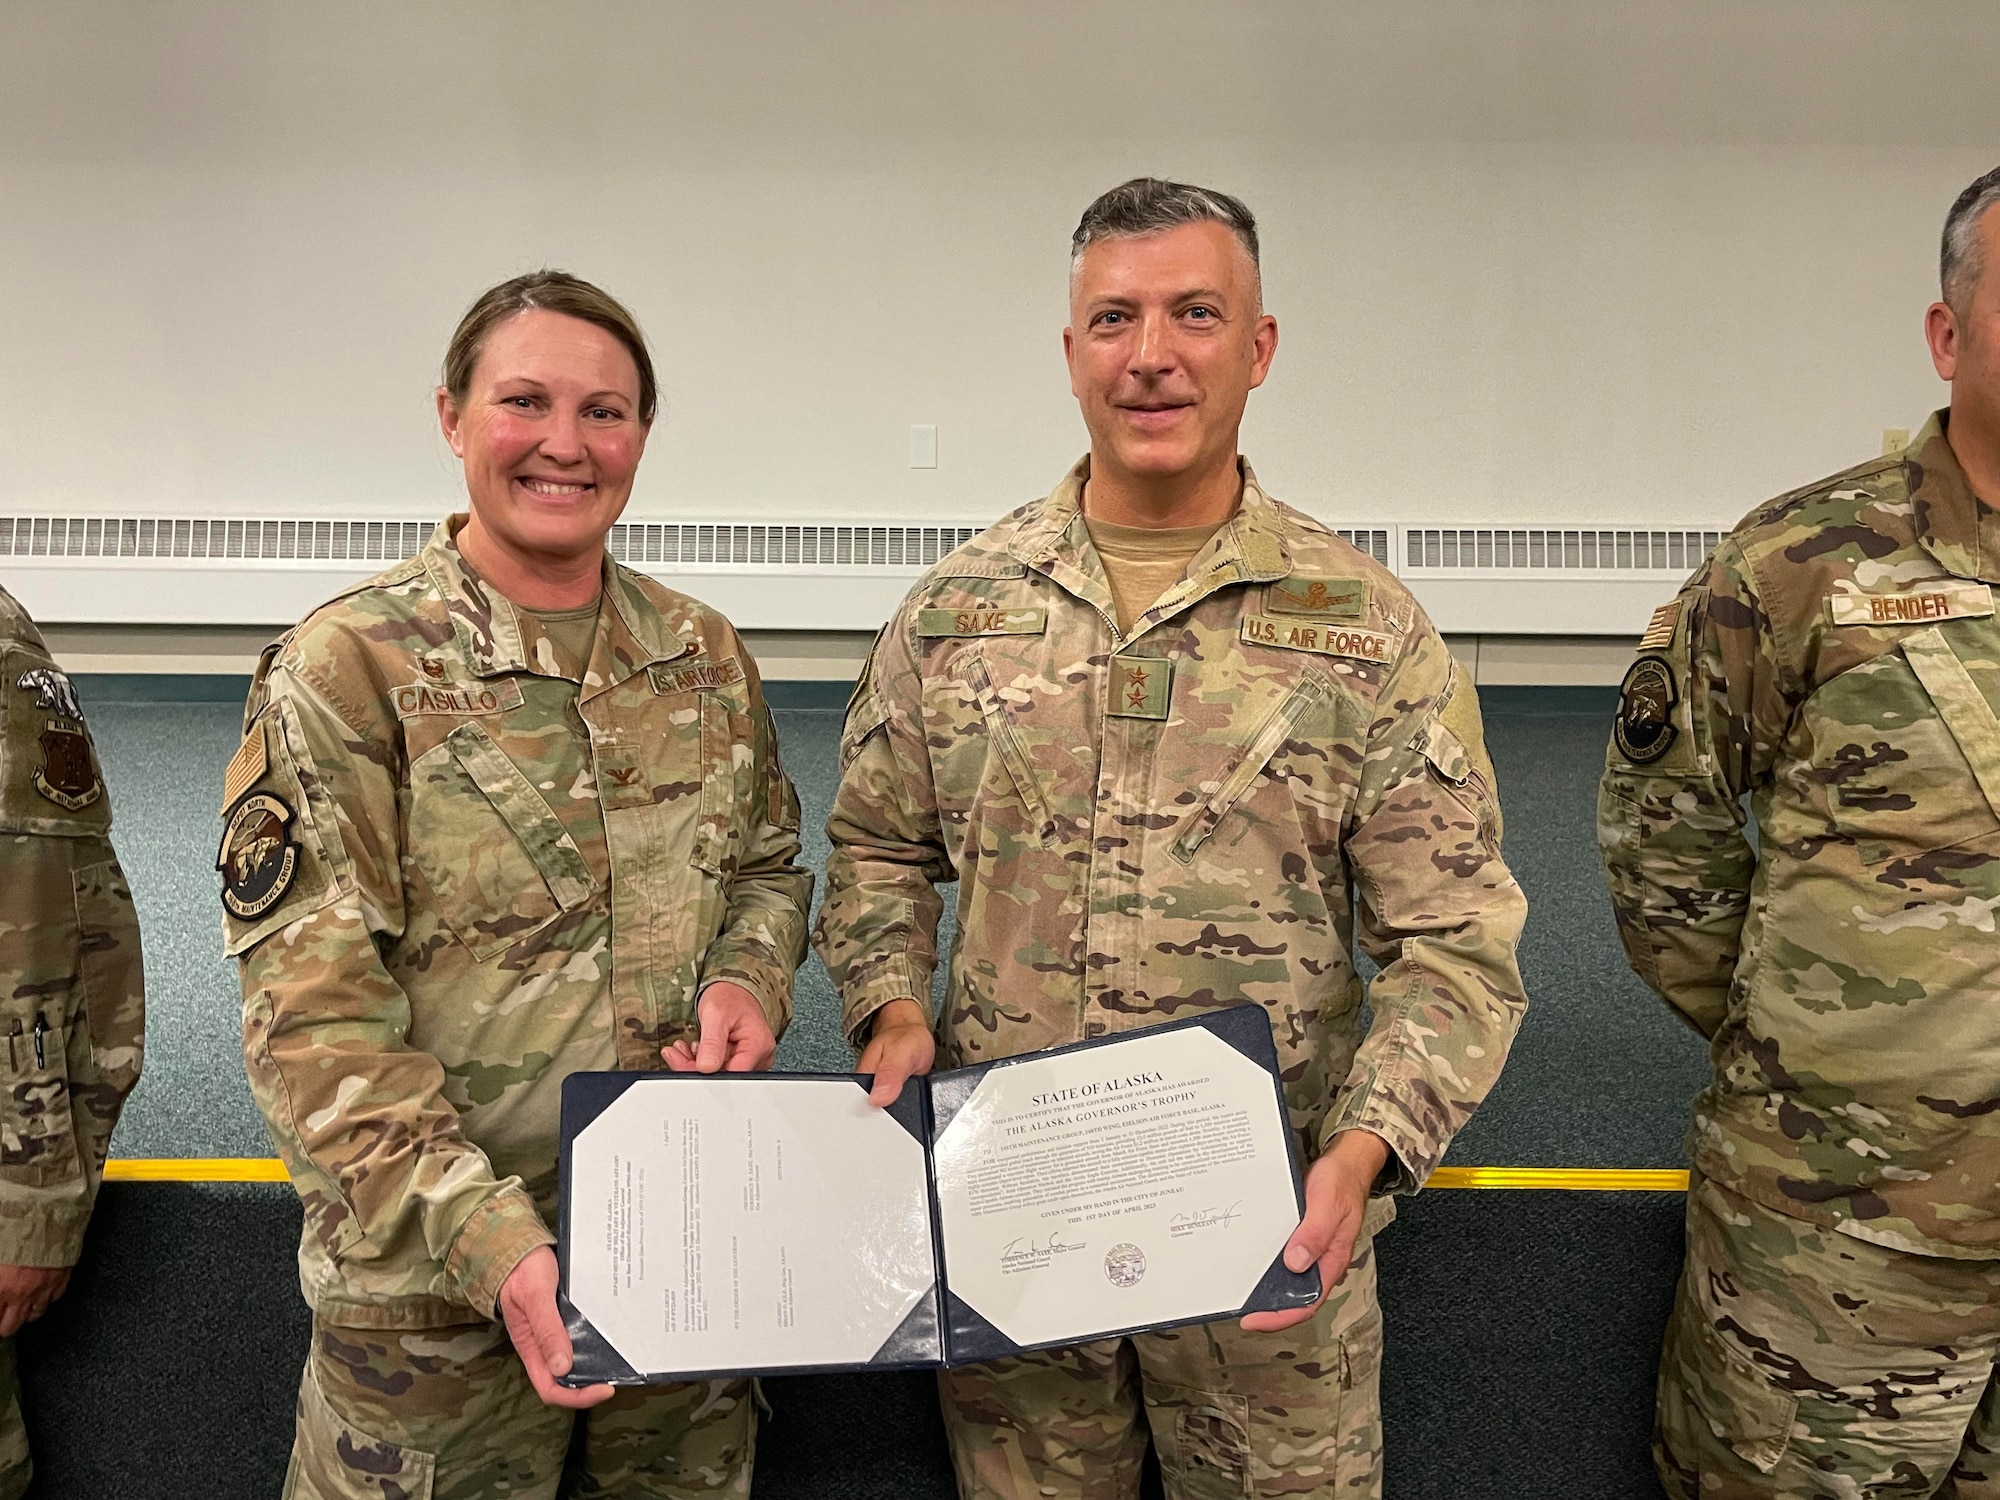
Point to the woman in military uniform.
(506, 811)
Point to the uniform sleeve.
(72, 1036)
(763, 939)
(1699, 724)
(72, 986)
(877, 931)
(359, 1115)
(1439, 913)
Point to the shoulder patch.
(419, 699)
(1645, 728)
(259, 856)
(1331, 598)
(1296, 634)
(949, 622)
(1660, 629)
(67, 775)
(697, 676)
(1947, 599)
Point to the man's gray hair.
(1960, 262)
(1151, 205)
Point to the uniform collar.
(1957, 528)
(497, 642)
(1249, 548)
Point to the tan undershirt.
(572, 632)
(1143, 562)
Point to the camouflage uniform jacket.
(454, 875)
(1837, 661)
(1205, 812)
(72, 986)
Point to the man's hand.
(528, 1307)
(735, 1037)
(900, 1047)
(1336, 1198)
(25, 1294)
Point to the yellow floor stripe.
(1560, 1179)
(195, 1169)
(1563, 1179)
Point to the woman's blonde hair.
(547, 291)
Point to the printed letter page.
(1118, 1187)
(747, 1224)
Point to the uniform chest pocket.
(1006, 744)
(1909, 750)
(1264, 742)
(728, 757)
(497, 857)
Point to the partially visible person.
(1837, 664)
(506, 811)
(72, 996)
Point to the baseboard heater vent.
(671, 544)
(157, 537)
(1461, 549)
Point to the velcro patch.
(247, 766)
(939, 622)
(1330, 598)
(1660, 629)
(1329, 640)
(1141, 687)
(1947, 599)
(458, 699)
(1645, 729)
(259, 856)
(696, 677)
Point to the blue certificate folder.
(942, 1328)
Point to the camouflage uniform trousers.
(1805, 1364)
(15, 1468)
(448, 1414)
(1233, 1415)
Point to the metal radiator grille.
(1471, 547)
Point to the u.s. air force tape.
(1291, 633)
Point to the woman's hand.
(733, 1035)
(900, 1046)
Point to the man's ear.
(1941, 333)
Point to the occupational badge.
(1645, 728)
(67, 775)
(258, 857)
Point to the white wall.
(1625, 260)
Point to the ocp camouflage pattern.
(1804, 1362)
(1837, 663)
(72, 979)
(449, 1413)
(503, 875)
(1154, 826)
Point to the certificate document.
(750, 1223)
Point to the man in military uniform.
(505, 812)
(1179, 745)
(72, 995)
(1836, 662)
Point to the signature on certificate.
(1030, 1254)
(1203, 1218)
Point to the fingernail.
(1296, 1259)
